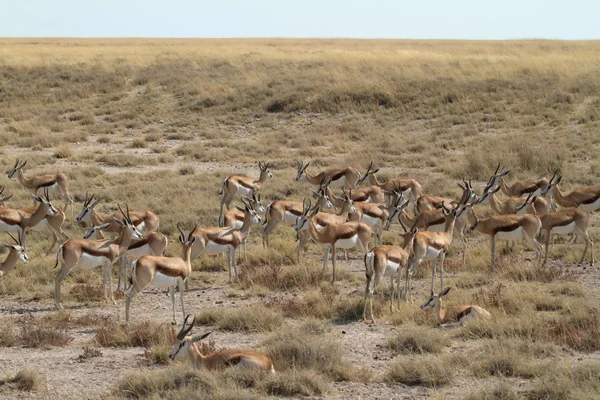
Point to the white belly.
(88, 261)
(162, 281)
(563, 230)
(289, 218)
(371, 221)
(141, 226)
(391, 268)
(513, 235)
(140, 251)
(319, 227)
(51, 188)
(215, 248)
(406, 194)
(431, 254)
(238, 224)
(590, 207)
(40, 226)
(4, 227)
(437, 228)
(341, 181)
(244, 191)
(346, 243)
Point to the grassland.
(159, 124)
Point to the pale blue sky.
(444, 19)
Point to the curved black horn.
(13, 238)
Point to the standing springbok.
(427, 202)
(516, 205)
(162, 272)
(376, 215)
(152, 243)
(52, 182)
(237, 359)
(572, 220)
(431, 246)
(410, 188)
(384, 261)
(144, 220)
(19, 221)
(339, 177)
(89, 254)
(453, 316)
(521, 188)
(586, 199)
(16, 252)
(224, 240)
(346, 235)
(234, 218)
(244, 186)
(507, 227)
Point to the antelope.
(242, 185)
(52, 182)
(339, 177)
(507, 227)
(456, 315)
(224, 240)
(162, 272)
(19, 220)
(521, 188)
(287, 212)
(572, 220)
(152, 243)
(517, 205)
(16, 252)
(376, 215)
(427, 202)
(586, 199)
(234, 216)
(429, 246)
(89, 254)
(409, 188)
(346, 235)
(237, 359)
(384, 261)
(144, 220)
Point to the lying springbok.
(52, 182)
(427, 202)
(410, 188)
(346, 235)
(587, 199)
(572, 220)
(162, 272)
(453, 316)
(507, 227)
(234, 217)
(16, 252)
(237, 359)
(144, 220)
(521, 188)
(244, 186)
(152, 243)
(18, 221)
(339, 177)
(384, 261)
(88, 254)
(224, 240)
(429, 246)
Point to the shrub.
(143, 334)
(420, 371)
(27, 380)
(418, 339)
(254, 318)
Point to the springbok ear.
(200, 336)
(444, 292)
(103, 226)
(95, 203)
(239, 208)
(376, 170)
(118, 221)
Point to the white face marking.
(84, 215)
(179, 350)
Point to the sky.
(417, 19)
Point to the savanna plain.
(158, 124)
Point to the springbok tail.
(58, 253)
(223, 186)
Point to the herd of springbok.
(530, 208)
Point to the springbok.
(144, 220)
(241, 185)
(453, 316)
(234, 217)
(346, 235)
(410, 188)
(16, 252)
(152, 243)
(384, 261)
(224, 240)
(572, 220)
(162, 272)
(521, 188)
(427, 202)
(339, 177)
(376, 215)
(429, 246)
(237, 359)
(52, 182)
(19, 220)
(89, 254)
(507, 227)
(586, 199)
